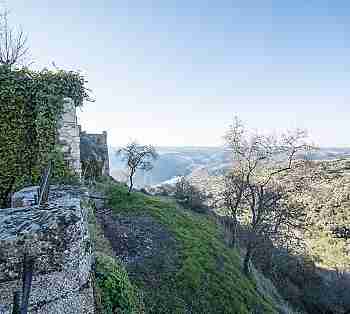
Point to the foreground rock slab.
(57, 238)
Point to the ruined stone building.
(80, 148)
(69, 136)
(94, 153)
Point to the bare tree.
(137, 157)
(190, 196)
(233, 193)
(254, 191)
(13, 43)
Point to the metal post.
(43, 191)
(16, 303)
(28, 267)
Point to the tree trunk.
(247, 259)
(131, 183)
(233, 233)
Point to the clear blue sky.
(175, 72)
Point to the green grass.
(100, 244)
(115, 293)
(209, 277)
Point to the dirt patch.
(146, 248)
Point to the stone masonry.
(69, 136)
(81, 146)
(57, 238)
(94, 147)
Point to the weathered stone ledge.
(57, 238)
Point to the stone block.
(57, 238)
(69, 136)
(25, 197)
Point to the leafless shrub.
(189, 196)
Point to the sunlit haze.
(175, 72)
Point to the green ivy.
(31, 103)
(61, 174)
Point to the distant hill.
(178, 161)
(213, 282)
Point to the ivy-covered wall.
(31, 103)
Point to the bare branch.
(253, 189)
(13, 43)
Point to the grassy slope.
(113, 290)
(209, 278)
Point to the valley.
(196, 162)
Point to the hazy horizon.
(175, 73)
(219, 146)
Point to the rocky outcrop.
(57, 238)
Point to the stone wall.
(80, 146)
(69, 136)
(94, 147)
(57, 238)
